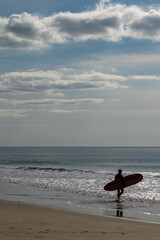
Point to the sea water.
(74, 177)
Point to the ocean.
(73, 178)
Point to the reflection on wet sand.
(119, 209)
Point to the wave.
(83, 187)
(54, 169)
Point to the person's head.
(119, 171)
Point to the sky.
(79, 73)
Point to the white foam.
(87, 182)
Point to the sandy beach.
(23, 221)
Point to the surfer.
(120, 176)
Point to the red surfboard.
(129, 181)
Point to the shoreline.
(80, 203)
(30, 221)
(78, 211)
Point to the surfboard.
(129, 181)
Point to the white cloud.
(14, 113)
(146, 25)
(47, 81)
(60, 111)
(109, 22)
(55, 90)
(146, 77)
(51, 101)
(56, 83)
(42, 103)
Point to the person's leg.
(121, 192)
(118, 193)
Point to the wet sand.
(24, 221)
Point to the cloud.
(146, 26)
(21, 31)
(47, 81)
(14, 113)
(60, 111)
(49, 101)
(57, 83)
(56, 89)
(84, 26)
(24, 25)
(107, 21)
(146, 77)
(20, 113)
(45, 104)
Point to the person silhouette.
(120, 176)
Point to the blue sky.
(79, 73)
